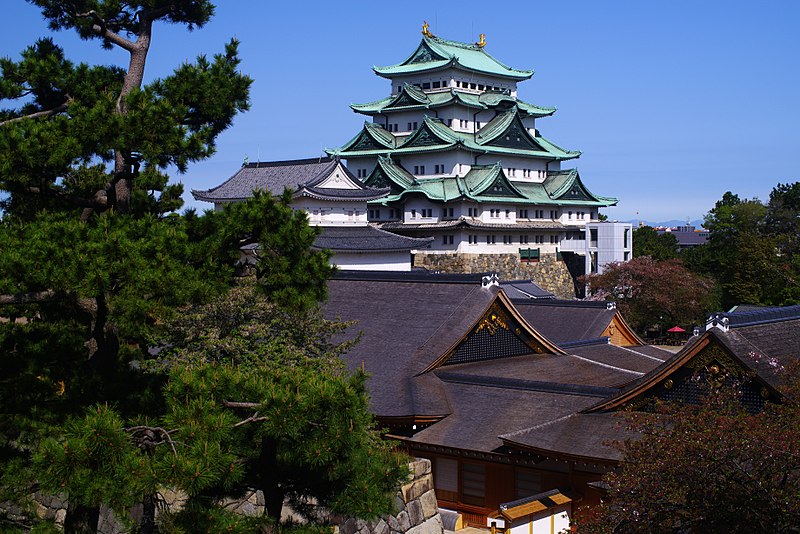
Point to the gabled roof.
(366, 239)
(533, 504)
(567, 185)
(389, 174)
(506, 130)
(566, 321)
(434, 136)
(482, 183)
(322, 178)
(434, 54)
(411, 97)
(372, 137)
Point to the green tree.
(297, 425)
(91, 260)
(713, 467)
(648, 242)
(752, 248)
(650, 292)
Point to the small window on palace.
(522, 214)
(427, 212)
(374, 214)
(437, 85)
(508, 239)
(553, 239)
(527, 483)
(491, 239)
(413, 214)
(447, 213)
(539, 239)
(449, 122)
(472, 212)
(473, 484)
(473, 239)
(409, 126)
(508, 214)
(472, 86)
(415, 125)
(553, 214)
(445, 477)
(523, 240)
(426, 85)
(478, 125)
(569, 215)
(447, 240)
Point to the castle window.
(447, 213)
(447, 240)
(522, 214)
(413, 214)
(426, 85)
(374, 214)
(523, 240)
(554, 214)
(472, 212)
(472, 86)
(473, 239)
(490, 239)
(554, 240)
(409, 126)
(508, 240)
(427, 213)
(508, 214)
(539, 239)
(437, 85)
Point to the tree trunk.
(274, 494)
(123, 164)
(81, 519)
(148, 522)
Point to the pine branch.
(147, 434)
(48, 295)
(38, 114)
(101, 28)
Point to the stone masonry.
(549, 273)
(417, 513)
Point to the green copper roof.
(434, 136)
(484, 183)
(413, 98)
(434, 54)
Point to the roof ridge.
(302, 161)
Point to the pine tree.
(92, 257)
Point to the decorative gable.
(364, 141)
(423, 54)
(424, 136)
(379, 179)
(500, 333)
(501, 188)
(687, 379)
(338, 179)
(516, 136)
(576, 192)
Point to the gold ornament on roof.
(482, 40)
(425, 31)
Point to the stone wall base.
(549, 273)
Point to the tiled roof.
(407, 326)
(575, 436)
(563, 321)
(434, 53)
(486, 183)
(301, 175)
(524, 289)
(366, 239)
(444, 138)
(412, 98)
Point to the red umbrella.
(676, 329)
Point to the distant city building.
(688, 236)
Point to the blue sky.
(672, 103)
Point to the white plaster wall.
(449, 159)
(546, 522)
(321, 213)
(376, 261)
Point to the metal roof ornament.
(482, 40)
(425, 31)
